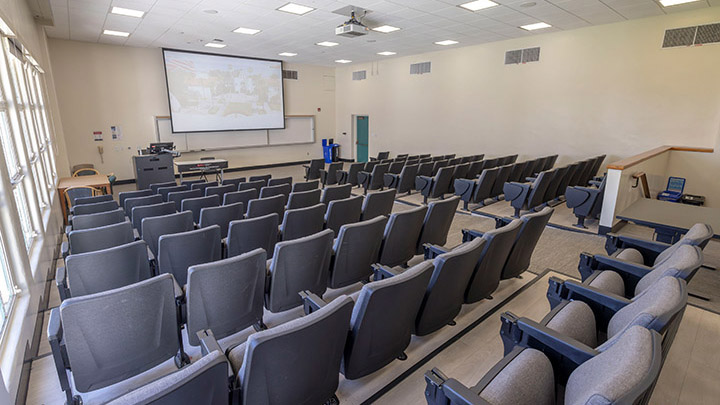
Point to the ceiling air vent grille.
(420, 68)
(360, 75)
(708, 34)
(518, 56)
(290, 74)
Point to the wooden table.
(99, 181)
(670, 220)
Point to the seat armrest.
(650, 249)
(470, 234)
(311, 302)
(595, 183)
(65, 249)
(179, 293)
(513, 190)
(151, 256)
(433, 251)
(61, 283)
(68, 228)
(55, 335)
(530, 179)
(382, 272)
(596, 296)
(631, 269)
(548, 341)
(136, 234)
(208, 343)
(502, 221)
(443, 390)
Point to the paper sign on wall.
(115, 132)
(97, 135)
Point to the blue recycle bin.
(330, 151)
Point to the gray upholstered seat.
(263, 206)
(349, 176)
(446, 289)
(249, 234)
(203, 186)
(164, 191)
(280, 189)
(178, 196)
(528, 195)
(133, 202)
(373, 180)
(585, 201)
(103, 237)
(698, 235)
(331, 175)
(252, 184)
(189, 183)
(437, 222)
(503, 173)
(220, 190)
(102, 270)
(263, 177)
(147, 211)
(235, 182)
(403, 182)
(155, 186)
(221, 216)
(301, 222)
(178, 251)
(476, 191)
(383, 320)
(305, 186)
(302, 199)
(338, 192)
(377, 204)
(355, 250)
(437, 186)
(298, 265)
(89, 221)
(195, 205)
(531, 230)
(243, 197)
(92, 200)
(516, 171)
(132, 194)
(94, 208)
(280, 180)
(154, 227)
(226, 296)
(266, 365)
(312, 170)
(396, 166)
(341, 212)
(401, 235)
(101, 339)
(486, 277)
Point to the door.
(361, 138)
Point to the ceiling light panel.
(116, 33)
(287, 54)
(478, 5)
(668, 3)
(127, 12)
(294, 8)
(343, 61)
(246, 31)
(536, 26)
(446, 42)
(215, 45)
(327, 43)
(386, 29)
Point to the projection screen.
(209, 92)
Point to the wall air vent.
(290, 74)
(687, 36)
(530, 55)
(420, 68)
(518, 56)
(513, 57)
(708, 34)
(360, 75)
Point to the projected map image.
(219, 93)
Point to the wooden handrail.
(633, 160)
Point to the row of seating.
(605, 338)
(224, 297)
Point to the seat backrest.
(377, 176)
(301, 222)
(102, 270)
(461, 171)
(551, 192)
(438, 165)
(313, 171)
(164, 191)
(178, 251)
(446, 290)
(94, 208)
(133, 202)
(531, 230)
(356, 249)
(442, 181)
(331, 193)
(437, 222)
(369, 166)
(252, 184)
(516, 172)
(235, 182)
(425, 169)
(621, 374)
(383, 155)
(596, 166)
(264, 206)
(486, 276)
(298, 265)
(189, 183)
(196, 204)
(203, 186)
(220, 190)
(376, 204)
(204, 381)
(272, 191)
(331, 176)
(316, 341)
(682, 264)
(147, 211)
(563, 184)
(698, 235)
(385, 312)
(491, 163)
(485, 184)
(155, 186)
(132, 194)
(243, 197)
(114, 335)
(528, 170)
(178, 196)
(575, 179)
(221, 216)
(92, 200)
(225, 296)
(302, 199)
(249, 234)
(503, 174)
(305, 186)
(407, 178)
(540, 185)
(280, 180)
(103, 237)
(585, 174)
(264, 178)
(100, 219)
(341, 212)
(396, 167)
(474, 169)
(401, 235)
(154, 227)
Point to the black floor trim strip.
(452, 340)
(704, 308)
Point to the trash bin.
(327, 151)
(335, 149)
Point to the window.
(7, 288)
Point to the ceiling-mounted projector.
(351, 28)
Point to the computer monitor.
(158, 147)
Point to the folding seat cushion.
(226, 296)
(385, 312)
(355, 250)
(437, 222)
(243, 197)
(531, 230)
(486, 277)
(301, 222)
(204, 381)
(401, 235)
(249, 234)
(102, 270)
(298, 265)
(178, 196)
(266, 366)
(154, 227)
(252, 184)
(103, 237)
(264, 206)
(178, 251)
(133, 202)
(373, 180)
(221, 216)
(376, 204)
(445, 292)
(349, 176)
(164, 191)
(264, 178)
(646, 252)
(332, 193)
(132, 194)
(220, 190)
(334, 173)
(585, 201)
(89, 221)
(155, 186)
(403, 182)
(280, 180)
(272, 191)
(312, 170)
(94, 208)
(305, 186)
(302, 199)
(527, 195)
(235, 182)
(147, 211)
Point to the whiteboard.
(298, 129)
